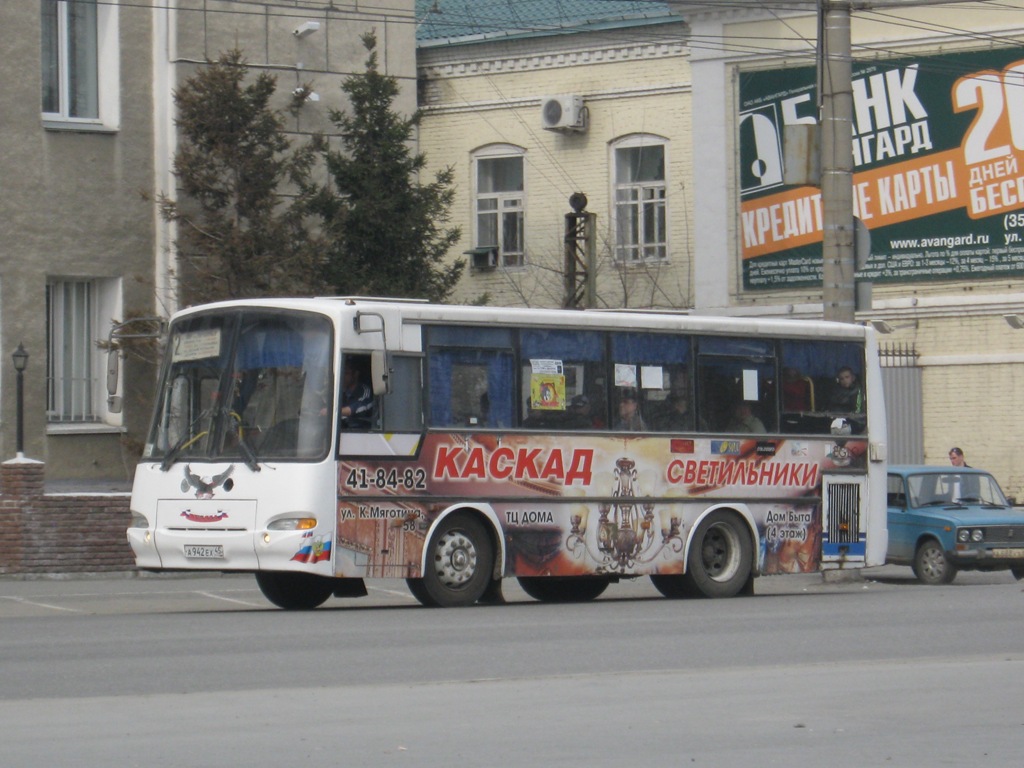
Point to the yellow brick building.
(677, 76)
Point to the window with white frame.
(499, 204)
(639, 192)
(78, 45)
(74, 361)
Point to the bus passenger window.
(402, 407)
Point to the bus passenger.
(848, 397)
(797, 391)
(629, 419)
(744, 420)
(676, 415)
(579, 413)
(356, 400)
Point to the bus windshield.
(246, 385)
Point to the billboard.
(938, 150)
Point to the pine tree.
(238, 235)
(386, 230)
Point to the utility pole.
(580, 274)
(837, 247)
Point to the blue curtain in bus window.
(577, 346)
(650, 348)
(468, 336)
(714, 345)
(822, 359)
(270, 348)
(490, 407)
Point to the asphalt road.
(202, 671)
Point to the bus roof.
(417, 310)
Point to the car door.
(901, 533)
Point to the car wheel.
(718, 564)
(295, 591)
(563, 589)
(459, 564)
(931, 565)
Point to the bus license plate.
(204, 551)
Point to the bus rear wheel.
(563, 589)
(295, 591)
(459, 564)
(720, 554)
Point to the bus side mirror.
(114, 402)
(380, 373)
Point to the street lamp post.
(20, 361)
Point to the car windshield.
(941, 488)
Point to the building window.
(640, 220)
(499, 207)
(78, 44)
(74, 361)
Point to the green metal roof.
(448, 21)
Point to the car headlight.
(963, 535)
(977, 535)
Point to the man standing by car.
(956, 458)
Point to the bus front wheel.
(459, 564)
(563, 589)
(294, 591)
(720, 555)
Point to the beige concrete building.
(88, 143)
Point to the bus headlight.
(293, 524)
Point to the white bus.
(567, 449)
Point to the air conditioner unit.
(484, 257)
(563, 113)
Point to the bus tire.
(720, 555)
(563, 589)
(294, 591)
(674, 585)
(459, 564)
(931, 566)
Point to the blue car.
(946, 519)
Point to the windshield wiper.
(248, 454)
(186, 439)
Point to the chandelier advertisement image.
(937, 148)
(604, 506)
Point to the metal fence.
(901, 381)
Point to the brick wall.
(58, 533)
